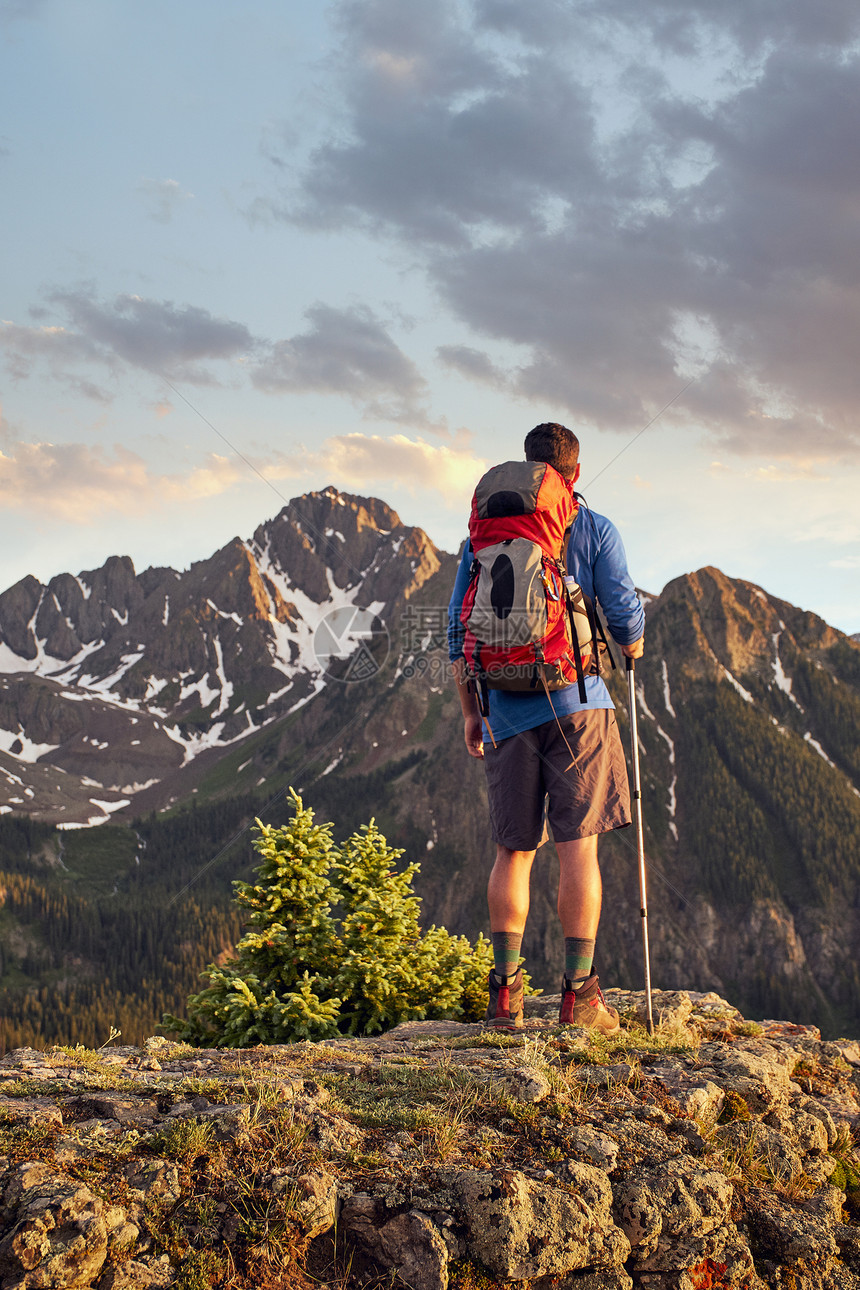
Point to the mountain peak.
(370, 512)
(159, 668)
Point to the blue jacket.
(596, 558)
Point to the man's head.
(557, 446)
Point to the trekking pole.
(640, 839)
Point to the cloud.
(445, 142)
(683, 26)
(630, 194)
(58, 346)
(157, 336)
(162, 198)
(348, 352)
(77, 483)
(345, 352)
(15, 10)
(797, 471)
(373, 461)
(472, 363)
(679, 27)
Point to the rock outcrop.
(717, 1153)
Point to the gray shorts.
(591, 796)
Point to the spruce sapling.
(333, 946)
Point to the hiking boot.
(587, 1007)
(506, 1001)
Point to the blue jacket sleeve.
(597, 559)
(456, 630)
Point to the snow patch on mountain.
(26, 749)
(12, 662)
(745, 694)
(782, 681)
(226, 686)
(222, 613)
(813, 743)
(200, 686)
(104, 685)
(91, 823)
(109, 807)
(294, 650)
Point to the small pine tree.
(334, 946)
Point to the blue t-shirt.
(596, 558)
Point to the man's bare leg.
(580, 889)
(508, 890)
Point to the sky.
(253, 250)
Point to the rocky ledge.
(717, 1153)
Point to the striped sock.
(506, 952)
(578, 958)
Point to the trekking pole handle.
(629, 663)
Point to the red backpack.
(527, 623)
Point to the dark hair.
(554, 444)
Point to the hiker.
(542, 746)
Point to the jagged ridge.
(149, 671)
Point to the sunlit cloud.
(781, 474)
(78, 483)
(373, 461)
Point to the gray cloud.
(24, 346)
(473, 363)
(157, 336)
(684, 25)
(348, 352)
(345, 352)
(61, 350)
(14, 10)
(626, 218)
(680, 26)
(446, 140)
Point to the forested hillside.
(109, 928)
